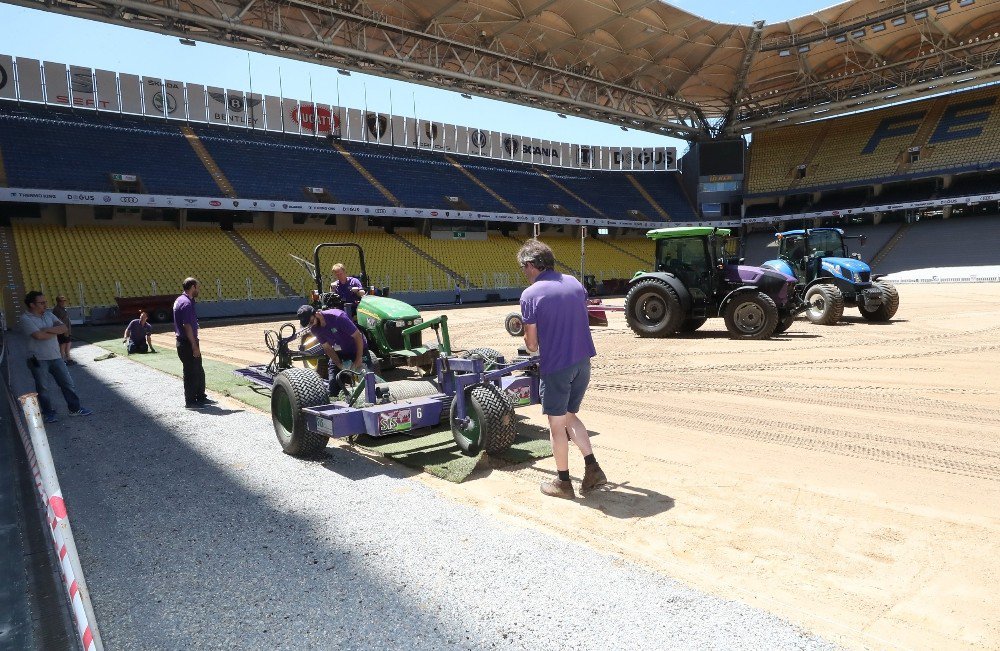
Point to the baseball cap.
(305, 314)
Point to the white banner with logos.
(887, 207)
(150, 96)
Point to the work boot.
(558, 488)
(593, 477)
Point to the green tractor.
(393, 329)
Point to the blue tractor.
(830, 278)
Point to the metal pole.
(583, 252)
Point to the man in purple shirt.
(334, 328)
(188, 349)
(347, 287)
(554, 308)
(138, 335)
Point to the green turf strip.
(435, 452)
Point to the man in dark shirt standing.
(554, 308)
(188, 349)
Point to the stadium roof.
(642, 64)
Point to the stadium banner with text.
(133, 201)
(56, 86)
(106, 90)
(8, 87)
(29, 80)
(867, 210)
(129, 88)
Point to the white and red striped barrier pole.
(43, 471)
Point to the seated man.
(138, 335)
(332, 328)
(347, 287)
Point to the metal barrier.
(27, 416)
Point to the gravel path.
(196, 532)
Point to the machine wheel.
(161, 315)
(489, 356)
(491, 421)
(652, 309)
(751, 315)
(826, 304)
(692, 324)
(784, 324)
(293, 389)
(890, 303)
(514, 324)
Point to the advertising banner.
(8, 89)
(479, 142)
(496, 144)
(355, 125)
(128, 88)
(56, 88)
(238, 108)
(253, 110)
(272, 113)
(217, 110)
(173, 96)
(430, 134)
(337, 114)
(106, 90)
(81, 83)
(398, 131)
(290, 115)
(29, 80)
(461, 140)
(450, 141)
(152, 96)
(197, 103)
(376, 127)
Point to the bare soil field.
(846, 478)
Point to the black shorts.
(64, 339)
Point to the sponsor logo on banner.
(540, 151)
(376, 124)
(478, 139)
(3, 77)
(431, 131)
(380, 211)
(107, 199)
(213, 202)
(585, 153)
(238, 105)
(80, 197)
(80, 101)
(510, 145)
(434, 213)
(236, 204)
(129, 199)
(158, 103)
(190, 201)
(305, 116)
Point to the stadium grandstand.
(873, 116)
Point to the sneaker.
(593, 477)
(193, 405)
(82, 411)
(558, 488)
(205, 400)
(51, 418)
(70, 362)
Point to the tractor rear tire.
(293, 390)
(890, 303)
(653, 309)
(513, 323)
(751, 315)
(692, 324)
(491, 421)
(826, 304)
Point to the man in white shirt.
(44, 357)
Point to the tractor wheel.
(826, 304)
(491, 421)
(784, 323)
(294, 389)
(514, 324)
(890, 303)
(489, 356)
(652, 309)
(692, 324)
(751, 315)
(161, 315)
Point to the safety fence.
(27, 417)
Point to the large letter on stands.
(900, 125)
(947, 125)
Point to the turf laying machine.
(477, 391)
